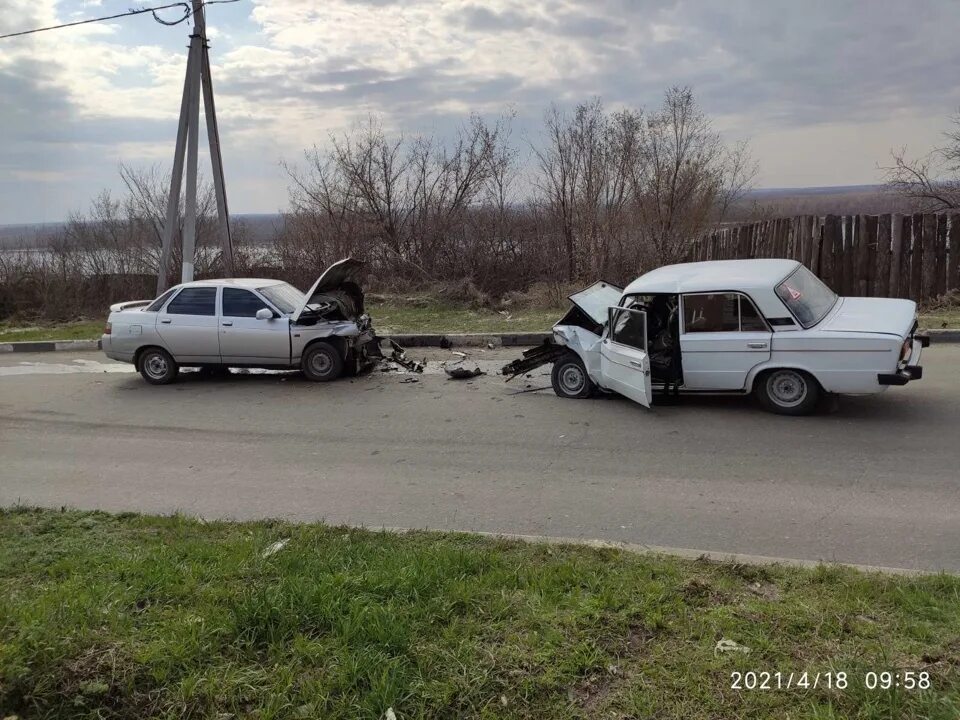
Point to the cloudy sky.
(821, 89)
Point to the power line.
(183, 5)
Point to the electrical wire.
(187, 10)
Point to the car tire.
(157, 366)
(787, 391)
(570, 379)
(321, 362)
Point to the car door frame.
(174, 340)
(228, 324)
(732, 354)
(625, 369)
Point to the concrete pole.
(176, 180)
(213, 137)
(193, 135)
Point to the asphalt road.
(875, 482)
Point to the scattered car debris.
(275, 547)
(389, 714)
(410, 380)
(547, 352)
(727, 645)
(460, 370)
(399, 356)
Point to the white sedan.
(769, 327)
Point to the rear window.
(158, 303)
(806, 296)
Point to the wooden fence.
(906, 256)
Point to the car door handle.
(756, 345)
(228, 323)
(165, 321)
(636, 364)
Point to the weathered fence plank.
(940, 260)
(816, 231)
(896, 249)
(953, 266)
(831, 238)
(851, 231)
(916, 256)
(868, 256)
(881, 286)
(929, 257)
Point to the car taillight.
(108, 328)
(905, 350)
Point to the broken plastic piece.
(399, 356)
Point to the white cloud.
(803, 79)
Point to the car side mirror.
(264, 314)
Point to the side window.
(750, 318)
(241, 303)
(158, 303)
(630, 328)
(194, 301)
(717, 312)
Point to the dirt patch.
(700, 591)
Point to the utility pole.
(197, 79)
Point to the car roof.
(231, 282)
(713, 275)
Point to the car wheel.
(788, 392)
(157, 366)
(570, 379)
(321, 363)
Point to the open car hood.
(596, 299)
(346, 270)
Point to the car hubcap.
(788, 389)
(571, 379)
(320, 363)
(156, 366)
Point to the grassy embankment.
(130, 616)
(398, 315)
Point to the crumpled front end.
(578, 331)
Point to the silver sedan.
(247, 322)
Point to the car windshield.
(806, 296)
(285, 297)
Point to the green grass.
(82, 330)
(943, 318)
(131, 617)
(432, 317)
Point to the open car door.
(623, 355)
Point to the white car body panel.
(854, 349)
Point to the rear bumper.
(902, 377)
(912, 370)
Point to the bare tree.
(931, 182)
(687, 178)
(402, 202)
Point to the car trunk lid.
(872, 315)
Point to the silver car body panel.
(237, 341)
